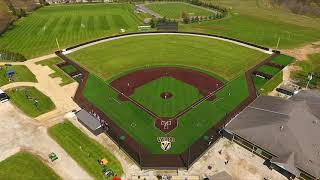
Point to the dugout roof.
(289, 129)
(88, 120)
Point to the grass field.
(27, 166)
(271, 84)
(268, 70)
(196, 121)
(283, 60)
(36, 34)
(66, 79)
(18, 97)
(253, 21)
(69, 69)
(84, 150)
(118, 56)
(149, 96)
(22, 74)
(310, 65)
(174, 9)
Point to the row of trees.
(16, 12)
(191, 19)
(153, 23)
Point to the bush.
(8, 56)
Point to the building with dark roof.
(286, 132)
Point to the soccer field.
(115, 57)
(36, 34)
(174, 9)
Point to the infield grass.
(84, 150)
(174, 9)
(183, 95)
(27, 166)
(138, 123)
(18, 97)
(36, 34)
(225, 59)
(21, 74)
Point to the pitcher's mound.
(166, 95)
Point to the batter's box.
(166, 124)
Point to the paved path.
(148, 11)
(60, 95)
(166, 33)
(19, 132)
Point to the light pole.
(310, 76)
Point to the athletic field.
(36, 34)
(175, 9)
(223, 61)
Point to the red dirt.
(166, 124)
(166, 95)
(203, 82)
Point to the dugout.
(90, 122)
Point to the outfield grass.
(225, 59)
(254, 22)
(22, 74)
(183, 96)
(51, 63)
(196, 121)
(84, 150)
(283, 60)
(18, 97)
(174, 9)
(268, 70)
(36, 34)
(26, 166)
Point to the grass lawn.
(26, 166)
(253, 21)
(84, 150)
(66, 79)
(271, 84)
(124, 114)
(69, 69)
(183, 96)
(174, 9)
(258, 82)
(18, 97)
(36, 34)
(225, 59)
(268, 70)
(310, 65)
(22, 74)
(283, 60)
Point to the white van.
(3, 97)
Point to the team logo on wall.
(166, 142)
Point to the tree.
(185, 17)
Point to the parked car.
(3, 97)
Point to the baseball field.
(124, 57)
